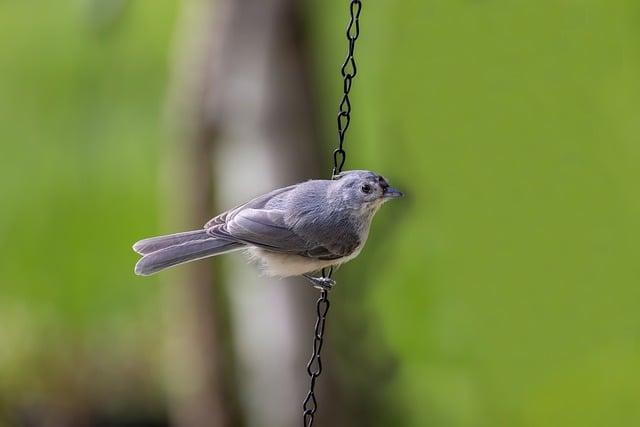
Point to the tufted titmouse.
(291, 231)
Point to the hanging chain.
(348, 71)
(314, 367)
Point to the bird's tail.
(167, 251)
(153, 244)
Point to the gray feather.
(293, 220)
(153, 244)
(185, 252)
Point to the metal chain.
(314, 367)
(348, 71)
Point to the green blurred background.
(504, 287)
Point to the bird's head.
(360, 189)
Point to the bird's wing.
(258, 203)
(255, 223)
(266, 228)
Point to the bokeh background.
(502, 291)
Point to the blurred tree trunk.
(200, 368)
(242, 104)
(199, 388)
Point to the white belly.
(284, 265)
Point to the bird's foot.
(322, 283)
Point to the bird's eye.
(366, 189)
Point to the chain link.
(348, 71)
(314, 367)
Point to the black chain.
(348, 71)
(314, 367)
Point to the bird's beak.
(391, 193)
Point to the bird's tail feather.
(153, 244)
(178, 254)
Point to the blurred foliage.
(81, 113)
(503, 290)
(506, 284)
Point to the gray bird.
(295, 230)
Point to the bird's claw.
(321, 283)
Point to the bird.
(292, 231)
